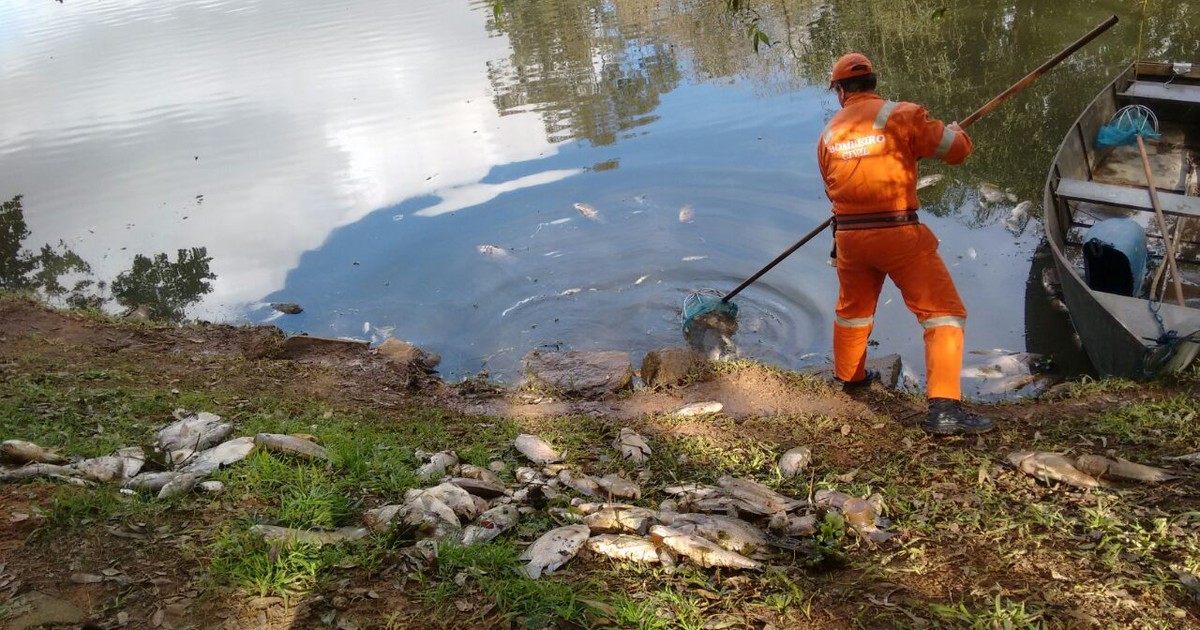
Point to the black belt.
(875, 220)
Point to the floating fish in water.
(619, 486)
(454, 497)
(861, 516)
(437, 464)
(536, 449)
(699, 409)
(587, 211)
(691, 258)
(190, 434)
(730, 533)
(633, 447)
(1018, 217)
(491, 524)
(1100, 467)
(1051, 467)
(618, 518)
(308, 536)
(757, 494)
(794, 461)
(22, 452)
(991, 193)
(686, 214)
(492, 250)
(930, 180)
(629, 549)
(290, 445)
(224, 454)
(641, 279)
(700, 550)
(554, 549)
(570, 292)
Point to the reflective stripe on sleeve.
(857, 322)
(943, 147)
(885, 112)
(947, 320)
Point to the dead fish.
(102, 469)
(1099, 467)
(132, 460)
(930, 180)
(536, 449)
(1018, 217)
(191, 433)
(830, 498)
(423, 523)
(621, 519)
(492, 250)
(222, 455)
(579, 482)
(471, 471)
(210, 487)
(308, 536)
(458, 500)
(554, 549)
(991, 193)
(1190, 458)
(31, 471)
(587, 211)
(22, 452)
(287, 444)
(178, 485)
(794, 525)
(757, 494)
(699, 409)
(633, 447)
(625, 547)
(151, 482)
(686, 214)
(479, 487)
(861, 517)
(619, 486)
(700, 550)
(437, 464)
(524, 474)
(730, 533)
(794, 461)
(1051, 466)
(491, 524)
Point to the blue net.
(705, 302)
(1128, 123)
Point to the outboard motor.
(1114, 257)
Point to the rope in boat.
(1167, 346)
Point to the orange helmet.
(850, 65)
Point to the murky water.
(416, 169)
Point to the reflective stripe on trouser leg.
(850, 349)
(858, 292)
(943, 361)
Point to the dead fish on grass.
(757, 494)
(191, 433)
(620, 519)
(180, 484)
(152, 481)
(53, 471)
(458, 500)
(471, 471)
(794, 525)
(629, 549)
(1190, 458)
(699, 409)
(309, 537)
(1099, 467)
(101, 469)
(619, 486)
(554, 549)
(22, 452)
(794, 461)
(1051, 467)
(437, 464)
(536, 449)
(224, 454)
(862, 518)
(491, 524)
(730, 533)
(633, 447)
(479, 487)
(580, 482)
(291, 445)
(700, 550)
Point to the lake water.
(416, 169)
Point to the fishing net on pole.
(1126, 125)
(711, 308)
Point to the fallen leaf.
(846, 429)
(86, 578)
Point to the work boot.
(872, 376)
(947, 417)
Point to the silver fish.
(30, 471)
(291, 445)
(579, 482)
(437, 464)
(624, 547)
(1190, 458)
(152, 481)
(699, 409)
(587, 211)
(991, 193)
(794, 461)
(830, 498)
(790, 525)
(700, 550)
(22, 452)
(224, 454)
(492, 250)
(686, 214)
(730, 533)
(1051, 466)
(102, 469)
(621, 519)
(1100, 467)
(633, 447)
(1018, 217)
(619, 486)
(757, 494)
(308, 536)
(454, 497)
(179, 484)
(191, 433)
(536, 449)
(524, 474)
(479, 487)
(471, 471)
(132, 460)
(554, 549)
(491, 524)
(930, 180)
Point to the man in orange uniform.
(868, 157)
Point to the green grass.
(1172, 422)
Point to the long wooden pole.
(1162, 222)
(966, 122)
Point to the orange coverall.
(868, 157)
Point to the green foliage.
(165, 287)
(243, 559)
